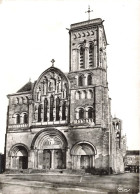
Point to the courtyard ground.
(67, 184)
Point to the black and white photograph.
(70, 96)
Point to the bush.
(97, 171)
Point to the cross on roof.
(52, 61)
(89, 12)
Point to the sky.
(32, 32)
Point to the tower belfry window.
(82, 57)
(91, 55)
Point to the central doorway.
(47, 159)
(53, 159)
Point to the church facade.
(63, 120)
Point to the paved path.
(67, 184)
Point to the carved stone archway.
(83, 155)
(50, 146)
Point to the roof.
(92, 22)
(26, 87)
(132, 152)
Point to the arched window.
(89, 80)
(17, 101)
(83, 94)
(78, 95)
(51, 107)
(81, 113)
(91, 55)
(118, 135)
(90, 113)
(118, 138)
(90, 94)
(17, 119)
(81, 80)
(57, 108)
(64, 111)
(45, 109)
(39, 113)
(25, 118)
(82, 57)
(117, 125)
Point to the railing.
(17, 126)
(50, 122)
(77, 121)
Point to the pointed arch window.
(17, 119)
(89, 79)
(39, 113)
(51, 107)
(81, 80)
(82, 57)
(45, 109)
(57, 109)
(81, 113)
(25, 118)
(64, 111)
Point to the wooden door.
(47, 159)
(58, 159)
(23, 162)
(85, 161)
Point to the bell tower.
(87, 45)
(88, 72)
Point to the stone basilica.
(63, 120)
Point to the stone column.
(17, 162)
(78, 60)
(60, 112)
(86, 114)
(11, 162)
(31, 159)
(78, 162)
(74, 59)
(95, 56)
(36, 159)
(93, 162)
(69, 164)
(54, 114)
(40, 159)
(52, 159)
(30, 114)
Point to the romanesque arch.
(19, 156)
(51, 147)
(83, 155)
